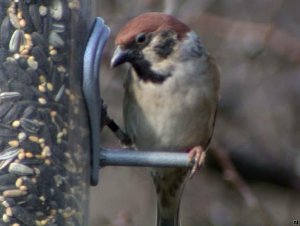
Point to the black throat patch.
(144, 72)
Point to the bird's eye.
(140, 38)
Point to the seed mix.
(43, 162)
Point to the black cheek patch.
(165, 47)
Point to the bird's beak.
(120, 56)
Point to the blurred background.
(252, 176)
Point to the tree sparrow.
(171, 98)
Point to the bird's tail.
(168, 220)
(169, 184)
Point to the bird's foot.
(197, 157)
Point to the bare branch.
(232, 175)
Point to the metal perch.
(125, 157)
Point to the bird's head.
(148, 43)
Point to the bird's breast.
(175, 114)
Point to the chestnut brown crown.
(150, 22)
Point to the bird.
(171, 94)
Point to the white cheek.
(158, 64)
(149, 53)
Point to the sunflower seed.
(3, 54)
(26, 15)
(55, 39)
(72, 201)
(6, 31)
(11, 68)
(9, 96)
(3, 81)
(41, 58)
(8, 179)
(57, 9)
(60, 93)
(24, 90)
(46, 26)
(17, 39)
(33, 202)
(39, 40)
(8, 132)
(20, 169)
(4, 126)
(9, 153)
(35, 17)
(24, 76)
(5, 163)
(31, 126)
(32, 161)
(22, 61)
(14, 20)
(29, 112)
(5, 107)
(58, 28)
(33, 75)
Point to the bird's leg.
(197, 156)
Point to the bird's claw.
(197, 157)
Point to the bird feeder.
(44, 130)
